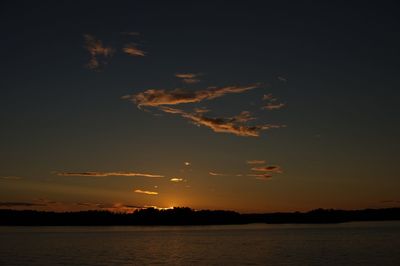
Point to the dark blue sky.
(333, 64)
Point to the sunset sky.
(253, 106)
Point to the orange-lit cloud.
(273, 106)
(255, 162)
(243, 117)
(186, 75)
(236, 125)
(176, 179)
(99, 174)
(272, 168)
(96, 49)
(267, 97)
(272, 103)
(221, 125)
(153, 97)
(51, 205)
(131, 49)
(145, 192)
(189, 78)
(201, 110)
(216, 174)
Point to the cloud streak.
(145, 192)
(154, 97)
(272, 103)
(189, 78)
(243, 117)
(237, 125)
(97, 50)
(176, 179)
(273, 106)
(216, 174)
(201, 110)
(272, 169)
(231, 125)
(186, 75)
(101, 174)
(132, 50)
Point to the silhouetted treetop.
(187, 216)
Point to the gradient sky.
(249, 105)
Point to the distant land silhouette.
(187, 216)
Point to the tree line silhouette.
(187, 216)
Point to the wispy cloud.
(145, 192)
(273, 106)
(186, 75)
(100, 174)
(188, 78)
(216, 174)
(191, 81)
(271, 168)
(272, 103)
(267, 97)
(46, 204)
(255, 161)
(261, 176)
(236, 125)
(231, 125)
(133, 50)
(176, 179)
(282, 78)
(201, 110)
(153, 97)
(97, 50)
(243, 117)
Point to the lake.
(358, 243)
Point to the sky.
(252, 106)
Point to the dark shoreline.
(187, 216)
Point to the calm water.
(372, 243)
